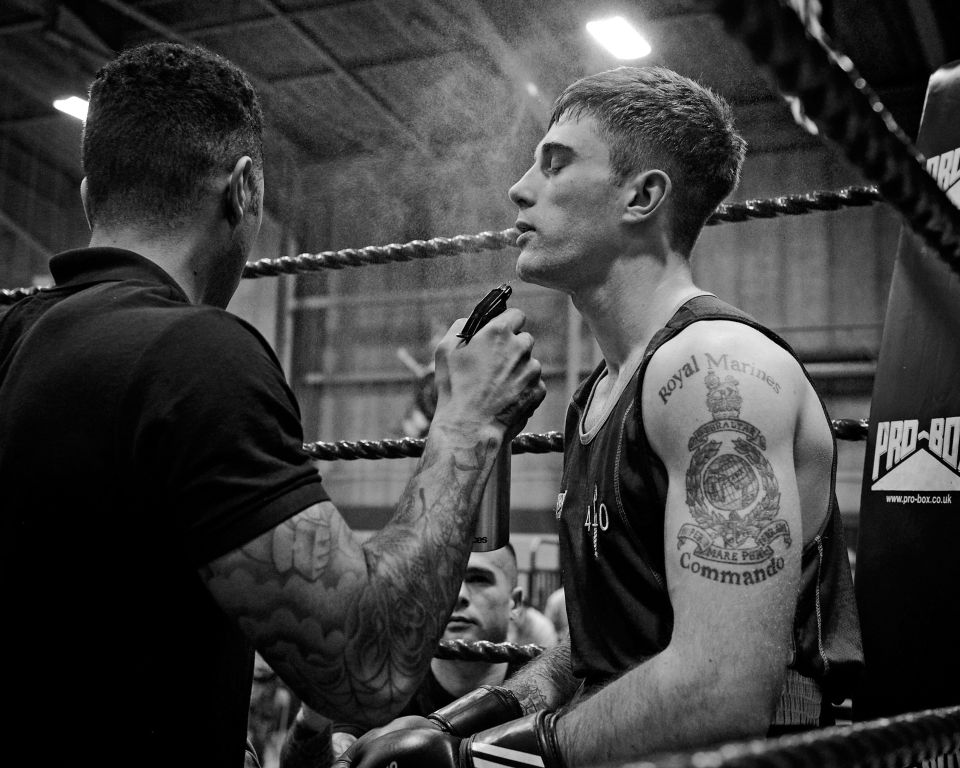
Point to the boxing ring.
(847, 113)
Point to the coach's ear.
(87, 204)
(645, 193)
(239, 194)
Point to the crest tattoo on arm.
(733, 496)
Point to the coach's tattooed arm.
(351, 626)
(726, 430)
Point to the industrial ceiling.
(340, 79)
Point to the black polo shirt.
(141, 436)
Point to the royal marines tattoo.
(733, 496)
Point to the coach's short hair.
(163, 118)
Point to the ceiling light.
(618, 36)
(73, 106)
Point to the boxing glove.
(528, 741)
(487, 706)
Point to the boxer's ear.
(645, 193)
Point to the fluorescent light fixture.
(73, 106)
(618, 36)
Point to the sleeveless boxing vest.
(610, 517)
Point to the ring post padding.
(908, 556)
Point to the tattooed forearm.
(733, 495)
(547, 682)
(352, 627)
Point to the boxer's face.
(570, 208)
(487, 598)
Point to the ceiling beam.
(262, 85)
(48, 166)
(8, 223)
(92, 58)
(256, 22)
(322, 4)
(384, 6)
(78, 33)
(148, 22)
(303, 76)
(39, 166)
(30, 120)
(168, 33)
(251, 24)
(361, 88)
(20, 27)
(36, 82)
(505, 58)
(389, 11)
(286, 146)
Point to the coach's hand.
(491, 383)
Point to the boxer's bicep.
(732, 531)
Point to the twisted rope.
(789, 205)
(850, 429)
(382, 254)
(484, 650)
(528, 442)
(884, 743)
(795, 205)
(839, 101)
(407, 447)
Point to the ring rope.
(796, 205)
(484, 650)
(455, 246)
(382, 254)
(847, 197)
(527, 442)
(850, 429)
(411, 447)
(895, 742)
(844, 108)
(788, 205)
